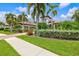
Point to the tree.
(76, 15)
(40, 10)
(66, 25)
(11, 20)
(22, 18)
(69, 25)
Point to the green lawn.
(6, 49)
(6, 32)
(60, 47)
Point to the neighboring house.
(50, 22)
(53, 24)
(4, 25)
(27, 25)
(45, 19)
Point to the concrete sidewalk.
(1, 36)
(18, 34)
(4, 36)
(27, 49)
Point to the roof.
(46, 16)
(51, 21)
(56, 22)
(6, 24)
(27, 23)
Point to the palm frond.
(34, 13)
(29, 7)
(54, 12)
(52, 7)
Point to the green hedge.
(60, 34)
(42, 25)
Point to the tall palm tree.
(76, 15)
(11, 20)
(40, 10)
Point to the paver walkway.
(27, 49)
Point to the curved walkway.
(25, 48)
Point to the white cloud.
(63, 5)
(72, 10)
(2, 15)
(22, 9)
(69, 14)
(63, 16)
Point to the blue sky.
(65, 10)
(11, 7)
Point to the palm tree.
(76, 15)
(11, 20)
(22, 18)
(40, 10)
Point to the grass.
(6, 49)
(60, 47)
(6, 32)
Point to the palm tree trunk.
(43, 19)
(54, 26)
(4, 27)
(11, 28)
(23, 24)
(37, 21)
(23, 28)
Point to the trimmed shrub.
(60, 34)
